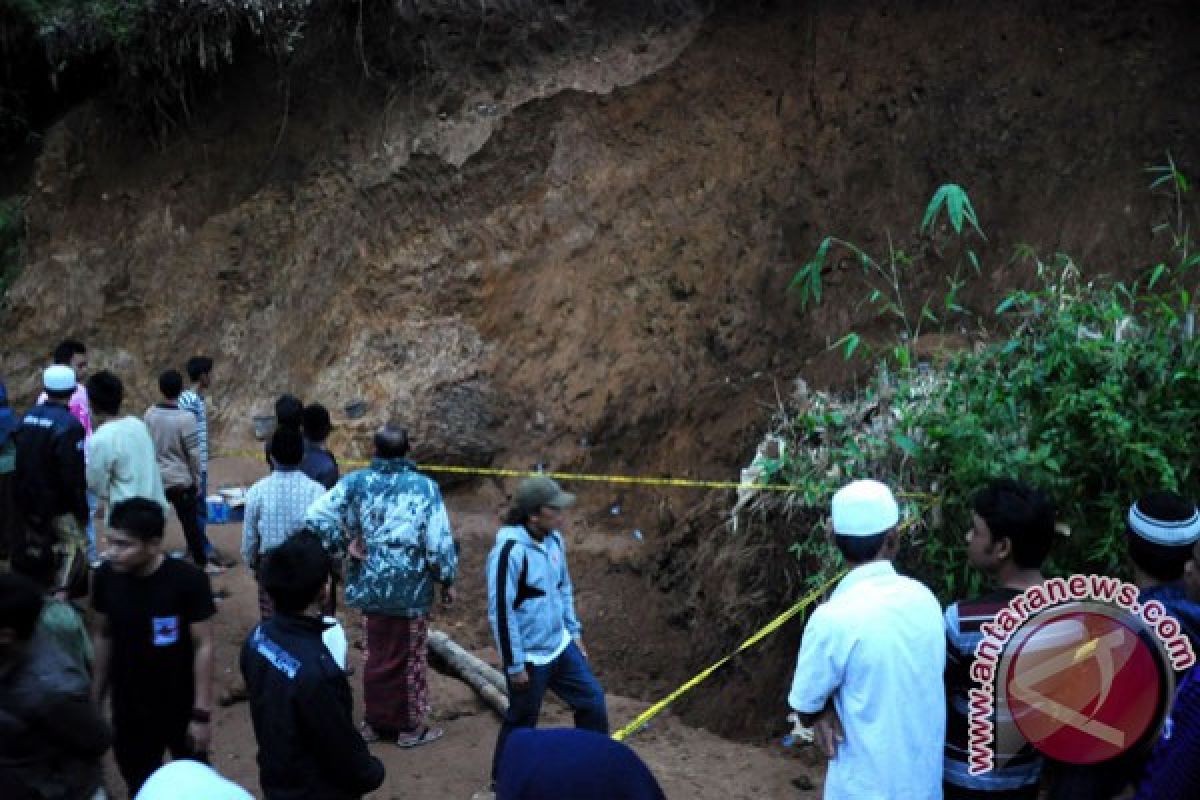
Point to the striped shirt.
(190, 400)
(275, 509)
(1014, 769)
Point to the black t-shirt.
(151, 642)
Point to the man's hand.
(519, 680)
(357, 549)
(199, 735)
(448, 596)
(828, 731)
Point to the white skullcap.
(1182, 531)
(190, 780)
(58, 378)
(864, 508)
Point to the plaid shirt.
(275, 509)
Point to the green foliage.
(1091, 396)
(953, 198)
(891, 277)
(12, 234)
(1087, 389)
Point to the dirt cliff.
(582, 260)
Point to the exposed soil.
(689, 763)
(582, 261)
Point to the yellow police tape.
(628, 480)
(770, 628)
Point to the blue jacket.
(552, 764)
(530, 596)
(1185, 611)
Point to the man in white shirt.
(869, 673)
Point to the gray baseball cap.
(538, 491)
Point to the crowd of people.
(141, 682)
(882, 676)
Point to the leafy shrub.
(1088, 390)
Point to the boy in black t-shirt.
(154, 645)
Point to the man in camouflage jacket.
(390, 521)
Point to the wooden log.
(493, 675)
(477, 674)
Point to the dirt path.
(689, 763)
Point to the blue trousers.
(569, 677)
(93, 502)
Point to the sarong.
(395, 690)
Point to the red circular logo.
(1084, 686)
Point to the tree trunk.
(483, 678)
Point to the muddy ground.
(689, 763)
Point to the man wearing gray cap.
(50, 484)
(531, 607)
(869, 673)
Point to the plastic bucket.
(264, 426)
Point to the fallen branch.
(480, 676)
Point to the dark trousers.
(951, 791)
(202, 515)
(183, 500)
(9, 523)
(1095, 781)
(569, 677)
(139, 742)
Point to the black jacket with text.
(308, 747)
(50, 478)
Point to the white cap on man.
(58, 378)
(864, 508)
